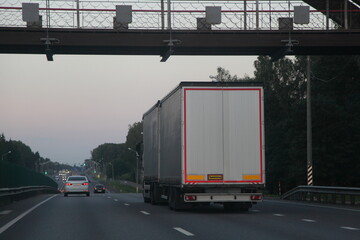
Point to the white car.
(76, 184)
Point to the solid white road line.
(350, 228)
(12, 222)
(5, 212)
(183, 231)
(278, 215)
(146, 213)
(308, 220)
(126, 204)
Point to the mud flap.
(176, 200)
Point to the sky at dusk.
(66, 108)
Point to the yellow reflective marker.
(195, 177)
(251, 177)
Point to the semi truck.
(204, 144)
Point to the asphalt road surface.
(125, 216)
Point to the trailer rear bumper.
(223, 197)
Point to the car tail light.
(190, 198)
(68, 184)
(256, 197)
(85, 183)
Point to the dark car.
(99, 188)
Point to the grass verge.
(120, 188)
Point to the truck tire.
(152, 198)
(154, 191)
(155, 194)
(172, 200)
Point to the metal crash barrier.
(324, 194)
(9, 195)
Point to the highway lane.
(125, 216)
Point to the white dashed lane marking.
(126, 204)
(255, 210)
(350, 228)
(5, 212)
(116, 200)
(183, 231)
(146, 213)
(279, 215)
(308, 220)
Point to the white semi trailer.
(204, 143)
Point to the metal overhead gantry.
(240, 27)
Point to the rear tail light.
(190, 198)
(68, 184)
(256, 197)
(85, 183)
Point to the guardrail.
(8, 195)
(324, 194)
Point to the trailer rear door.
(243, 135)
(223, 135)
(204, 140)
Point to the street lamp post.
(95, 163)
(2, 156)
(137, 169)
(112, 168)
(41, 165)
(102, 164)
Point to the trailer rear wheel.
(155, 194)
(173, 196)
(152, 198)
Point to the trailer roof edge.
(204, 84)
